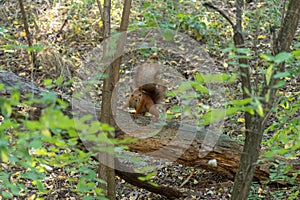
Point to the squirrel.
(148, 91)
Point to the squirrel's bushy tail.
(148, 78)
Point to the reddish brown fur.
(142, 103)
(149, 91)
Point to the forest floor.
(66, 48)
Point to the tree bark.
(254, 131)
(108, 85)
(255, 124)
(227, 152)
(120, 49)
(106, 167)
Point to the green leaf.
(48, 82)
(6, 194)
(33, 125)
(282, 74)
(62, 103)
(88, 198)
(59, 81)
(36, 143)
(199, 78)
(4, 154)
(147, 177)
(248, 109)
(243, 50)
(176, 109)
(279, 84)
(72, 142)
(168, 34)
(84, 186)
(49, 97)
(199, 87)
(104, 127)
(269, 154)
(3, 31)
(232, 78)
(60, 143)
(33, 175)
(243, 65)
(241, 102)
(88, 173)
(14, 189)
(267, 57)
(7, 108)
(39, 186)
(282, 57)
(216, 115)
(184, 86)
(216, 78)
(269, 73)
(15, 96)
(259, 108)
(35, 48)
(267, 96)
(296, 53)
(41, 152)
(10, 46)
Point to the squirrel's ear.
(140, 89)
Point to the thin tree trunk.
(28, 35)
(115, 78)
(120, 48)
(113, 72)
(100, 10)
(106, 167)
(255, 124)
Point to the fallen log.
(225, 154)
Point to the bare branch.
(28, 35)
(222, 12)
(100, 9)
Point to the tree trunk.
(106, 167)
(255, 124)
(120, 49)
(109, 83)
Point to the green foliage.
(178, 16)
(29, 49)
(230, 108)
(285, 141)
(283, 137)
(2, 31)
(192, 24)
(30, 149)
(235, 53)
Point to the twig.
(266, 117)
(61, 28)
(28, 35)
(222, 12)
(100, 9)
(188, 178)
